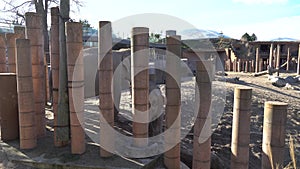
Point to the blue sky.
(268, 19)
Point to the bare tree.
(16, 10)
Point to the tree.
(248, 38)
(63, 119)
(17, 9)
(155, 38)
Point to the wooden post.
(140, 84)
(173, 95)
(241, 128)
(106, 104)
(75, 85)
(275, 116)
(278, 59)
(55, 71)
(27, 122)
(3, 68)
(257, 61)
(34, 33)
(288, 60)
(202, 126)
(271, 55)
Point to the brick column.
(106, 104)
(11, 51)
(173, 96)
(9, 107)
(257, 61)
(75, 85)
(202, 126)
(27, 122)
(20, 30)
(34, 33)
(3, 68)
(275, 116)
(239, 65)
(246, 66)
(241, 128)
(261, 65)
(140, 84)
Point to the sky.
(268, 19)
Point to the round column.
(27, 122)
(76, 85)
(275, 116)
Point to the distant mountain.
(191, 34)
(284, 39)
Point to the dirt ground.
(263, 91)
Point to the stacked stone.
(202, 126)
(20, 30)
(275, 116)
(34, 33)
(106, 105)
(241, 128)
(75, 85)
(27, 122)
(173, 95)
(140, 84)
(3, 68)
(11, 51)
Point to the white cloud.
(287, 27)
(260, 1)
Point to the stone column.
(2, 54)
(298, 63)
(275, 116)
(173, 96)
(202, 126)
(27, 122)
(75, 85)
(11, 51)
(239, 65)
(241, 128)
(252, 66)
(106, 104)
(261, 65)
(54, 53)
(271, 55)
(34, 33)
(247, 66)
(288, 57)
(278, 59)
(140, 84)
(20, 30)
(9, 107)
(257, 61)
